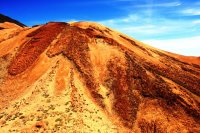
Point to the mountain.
(85, 77)
(4, 18)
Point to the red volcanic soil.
(31, 50)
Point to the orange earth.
(85, 77)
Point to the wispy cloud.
(146, 30)
(196, 22)
(138, 25)
(115, 21)
(170, 4)
(157, 23)
(190, 12)
(182, 45)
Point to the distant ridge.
(4, 18)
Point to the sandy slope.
(84, 77)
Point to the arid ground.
(85, 77)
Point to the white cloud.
(134, 24)
(186, 46)
(191, 12)
(129, 19)
(170, 4)
(145, 29)
(138, 26)
(195, 22)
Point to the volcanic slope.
(85, 77)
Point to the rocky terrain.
(85, 77)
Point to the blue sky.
(172, 25)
